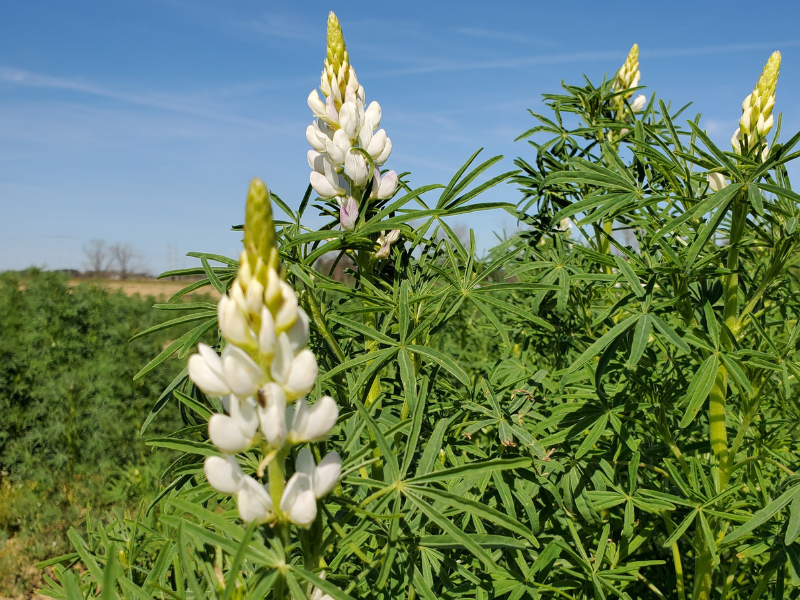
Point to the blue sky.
(142, 121)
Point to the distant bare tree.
(126, 260)
(98, 256)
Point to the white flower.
(234, 433)
(298, 501)
(639, 103)
(316, 160)
(233, 322)
(383, 187)
(224, 474)
(377, 143)
(302, 375)
(384, 156)
(298, 334)
(316, 105)
(311, 423)
(325, 475)
(338, 147)
(253, 501)
(385, 242)
(348, 213)
(716, 181)
(351, 120)
(242, 374)
(314, 139)
(328, 184)
(736, 141)
(373, 114)
(266, 335)
(271, 411)
(206, 372)
(356, 168)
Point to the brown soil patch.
(147, 287)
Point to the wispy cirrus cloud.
(490, 34)
(453, 65)
(186, 105)
(285, 26)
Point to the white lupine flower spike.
(265, 365)
(344, 127)
(757, 119)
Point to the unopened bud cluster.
(757, 119)
(264, 367)
(347, 145)
(626, 78)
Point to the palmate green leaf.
(630, 276)
(699, 388)
(699, 209)
(600, 344)
(460, 502)
(762, 516)
(467, 541)
(640, 336)
(447, 363)
(594, 435)
(475, 468)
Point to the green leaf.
(442, 360)
(640, 336)
(762, 516)
(630, 276)
(475, 468)
(598, 346)
(700, 388)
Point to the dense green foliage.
(71, 415)
(573, 417)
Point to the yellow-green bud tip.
(259, 231)
(633, 55)
(336, 46)
(769, 76)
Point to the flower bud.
(298, 502)
(716, 181)
(384, 186)
(356, 168)
(314, 140)
(271, 411)
(302, 375)
(298, 334)
(373, 114)
(313, 423)
(253, 501)
(267, 337)
(233, 322)
(348, 213)
(242, 374)
(639, 103)
(316, 105)
(259, 231)
(223, 474)
(384, 155)
(207, 373)
(350, 120)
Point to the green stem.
(676, 560)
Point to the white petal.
(223, 474)
(253, 501)
(349, 120)
(373, 114)
(366, 133)
(266, 336)
(315, 422)
(298, 334)
(377, 144)
(226, 434)
(316, 105)
(302, 376)
(206, 377)
(287, 313)
(255, 297)
(330, 110)
(298, 501)
(356, 168)
(272, 416)
(314, 141)
(388, 185)
(387, 150)
(242, 374)
(327, 474)
(233, 322)
(315, 160)
(282, 361)
(639, 103)
(244, 413)
(716, 181)
(304, 463)
(323, 187)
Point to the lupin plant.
(263, 366)
(348, 148)
(605, 407)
